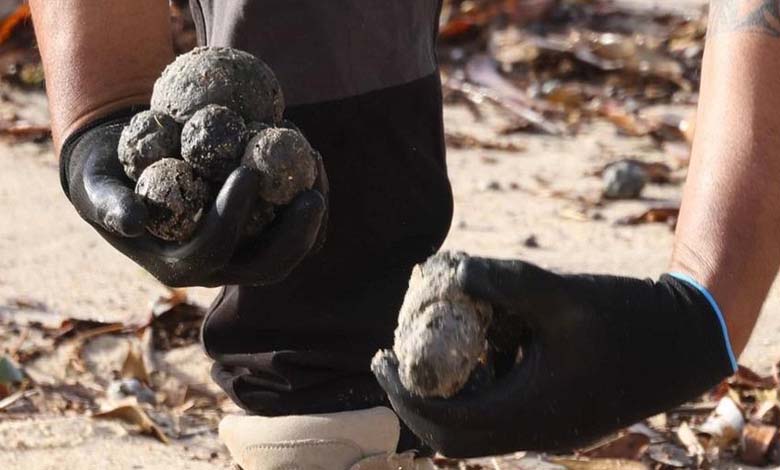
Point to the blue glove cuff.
(715, 308)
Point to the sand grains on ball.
(286, 161)
(149, 137)
(441, 331)
(175, 197)
(212, 141)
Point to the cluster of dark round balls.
(213, 109)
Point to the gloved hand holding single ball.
(590, 352)
(441, 333)
(165, 186)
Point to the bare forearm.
(729, 225)
(99, 55)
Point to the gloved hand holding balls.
(213, 109)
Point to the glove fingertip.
(309, 202)
(244, 178)
(474, 277)
(127, 219)
(233, 193)
(285, 244)
(384, 364)
(304, 215)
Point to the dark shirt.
(323, 50)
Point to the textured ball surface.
(219, 75)
(285, 159)
(254, 128)
(150, 136)
(441, 331)
(175, 197)
(212, 141)
(439, 350)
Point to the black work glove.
(96, 184)
(598, 353)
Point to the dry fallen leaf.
(134, 366)
(133, 414)
(481, 70)
(456, 139)
(670, 455)
(725, 424)
(631, 446)
(598, 464)
(176, 323)
(628, 123)
(24, 131)
(165, 303)
(688, 438)
(756, 443)
(745, 377)
(663, 214)
(13, 21)
(767, 412)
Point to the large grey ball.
(212, 141)
(223, 76)
(150, 136)
(175, 197)
(286, 161)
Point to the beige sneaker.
(351, 440)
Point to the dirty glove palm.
(598, 353)
(95, 182)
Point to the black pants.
(305, 345)
(360, 80)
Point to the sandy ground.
(52, 262)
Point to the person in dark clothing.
(293, 331)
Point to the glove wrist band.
(715, 308)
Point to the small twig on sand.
(14, 397)
(481, 94)
(460, 140)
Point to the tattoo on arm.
(758, 16)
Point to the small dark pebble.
(624, 179)
(531, 242)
